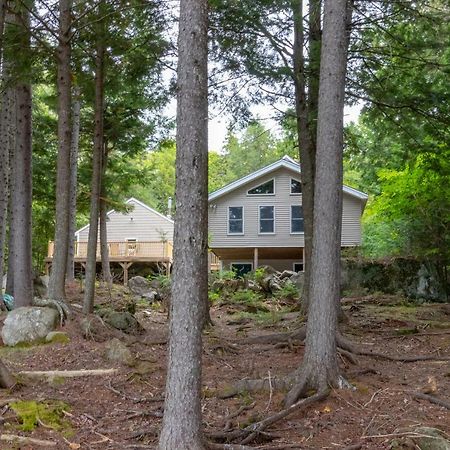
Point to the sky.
(217, 127)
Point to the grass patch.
(49, 414)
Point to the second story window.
(235, 220)
(297, 219)
(296, 186)
(267, 188)
(267, 219)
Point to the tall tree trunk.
(182, 424)
(4, 148)
(21, 188)
(104, 250)
(91, 260)
(76, 108)
(320, 366)
(306, 98)
(7, 381)
(56, 288)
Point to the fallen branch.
(51, 374)
(432, 399)
(14, 439)
(134, 399)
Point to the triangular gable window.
(263, 189)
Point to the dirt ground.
(124, 410)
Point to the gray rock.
(433, 439)
(299, 280)
(117, 351)
(28, 324)
(151, 296)
(57, 337)
(286, 274)
(139, 285)
(121, 320)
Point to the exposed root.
(346, 347)
(60, 306)
(261, 384)
(432, 399)
(251, 432)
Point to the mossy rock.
(57, 337)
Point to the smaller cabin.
(140, 237)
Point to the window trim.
(290, 186)
(259, 184)
(274, 221)
(228, 220)
(290, 221)
(298, 262)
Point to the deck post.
(255, 258)
(125, 266)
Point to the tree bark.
(76, 108)
(182, 425)
(306, 98)
(21, 186)
(91, 260)
(56, 288)
(104, 250)
(320, 366)
(4, 180)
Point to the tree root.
(60, 306)
(261, 384)
(250, 433)
(432, 399)
(346, 347)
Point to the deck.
(126, 253)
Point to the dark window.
(297, 219)
(266, 219)
(262, 189)
(240, 269)
(298, 267)
(296, 186)
(235, 220)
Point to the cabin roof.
(285, 162)
(131, 200)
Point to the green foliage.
(163, 280)
(49, 414)
(288, 291)
(247, 297)
(214, 297)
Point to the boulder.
(28, 324)
(431, 439)
(151, 296)
(286, 274)
(93, 328)
(121, 320)
(139, 285)
(57, 337)
(117, 351)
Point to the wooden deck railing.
(124, 249)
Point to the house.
(258, 219)
(140, 236)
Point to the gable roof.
(127, 202)
(285, 162)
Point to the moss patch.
(49, 414)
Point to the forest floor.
(124, 410)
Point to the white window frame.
(290, 186)
(259, 184)
(290, 221)
(274, 221)
(298, 262)
(228, 220)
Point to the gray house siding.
(282, 201)
(142, 224)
